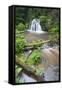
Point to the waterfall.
(35, 25)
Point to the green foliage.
(17, 77)
(20, 43)
(54, 30)
(34, 58)
(26, 26)
(18, 70)
(20, 27)
(17, 32)
(54, 34)
(18, 80)
(39, 71)
(43, 19)
(21, 57)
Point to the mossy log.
(29, 46)
(29, 71)
(36, 44)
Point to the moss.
(39, 71)
(34, 58)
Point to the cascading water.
(35, 26)
(35, 31)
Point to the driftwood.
(29, 71)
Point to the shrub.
(54, 34)
(44, 22)
(20, 43)
(20, 27)
(43, 19)
(34, 58)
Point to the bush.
(54, 30)
(20, 43)
(54, 34)
(20, 27)
(43, 19)
(44, 22)
(26, 25)
(34, 58)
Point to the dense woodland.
(49, 20)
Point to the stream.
(51, 64)
(26, 78)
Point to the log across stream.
(29, 71)
(50, 62)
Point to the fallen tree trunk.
(29, 71)
(32, 46)
(36, 44)
(29, 48)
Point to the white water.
(35, 26)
